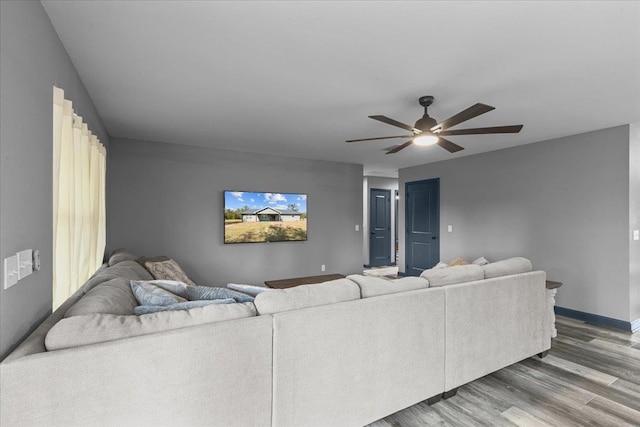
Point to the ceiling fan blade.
(381, 137)
(400, 147)
(463, 116)
(448, 145)
(387, 120)
(481, 131)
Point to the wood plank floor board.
(499, 390)
(608, 365)
(622, 412)
(552, 384)
(590, 377)
(479, 409)
(632, 351)
(598, 331)
(560, 399)
(523, 419)
(582, 371)
(609, 351)
(624, 397)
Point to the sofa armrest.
(214, 374)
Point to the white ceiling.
(298, 78)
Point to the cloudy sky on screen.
(237, 199)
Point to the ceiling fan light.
(426, 139)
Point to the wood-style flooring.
(591, 377)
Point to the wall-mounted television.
(256, 217)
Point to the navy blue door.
(422, 218)
(380, 227)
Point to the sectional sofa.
(341, 353)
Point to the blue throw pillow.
(252, 290)
(210, 293)
(149, 294)
(147, 309)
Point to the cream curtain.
(79, 223)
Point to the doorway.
(380, 227)
(422, 219)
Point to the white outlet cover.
(450, 228)
(25, 261)
(636, 234)
(10, 271)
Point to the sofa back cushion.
(507, 267)
(111, 297)
(124, 269)
(120, 255)
(95, 328)
(371, 286)
(304, 296)
(453, 275)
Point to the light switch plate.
(636, 234)
(450, 228)
(25, 262)
(10, 271)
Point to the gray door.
(422, 218)
(380, 227)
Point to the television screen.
(253, 217)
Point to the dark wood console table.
(297, 281)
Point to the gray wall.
(634, 219)
(383, 183)
(563, 203)
(167, 199)
(32, 61)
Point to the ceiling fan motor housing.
(426, 122)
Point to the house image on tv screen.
(270, 214)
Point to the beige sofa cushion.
(91, 329)
(304, 296)
(452, 275)
(371, 286)
(507, 267)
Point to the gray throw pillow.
(209, 293)
(148, 309)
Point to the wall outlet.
(11, 271)
(25, 263)
(323, 267)
(357, 227)
(450, 228)
(636, 234)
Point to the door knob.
(433, 237)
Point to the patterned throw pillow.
(481, 261)
(167, 270)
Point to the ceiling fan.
(428, 131)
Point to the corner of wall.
(634, 222)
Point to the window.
(79, 223)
